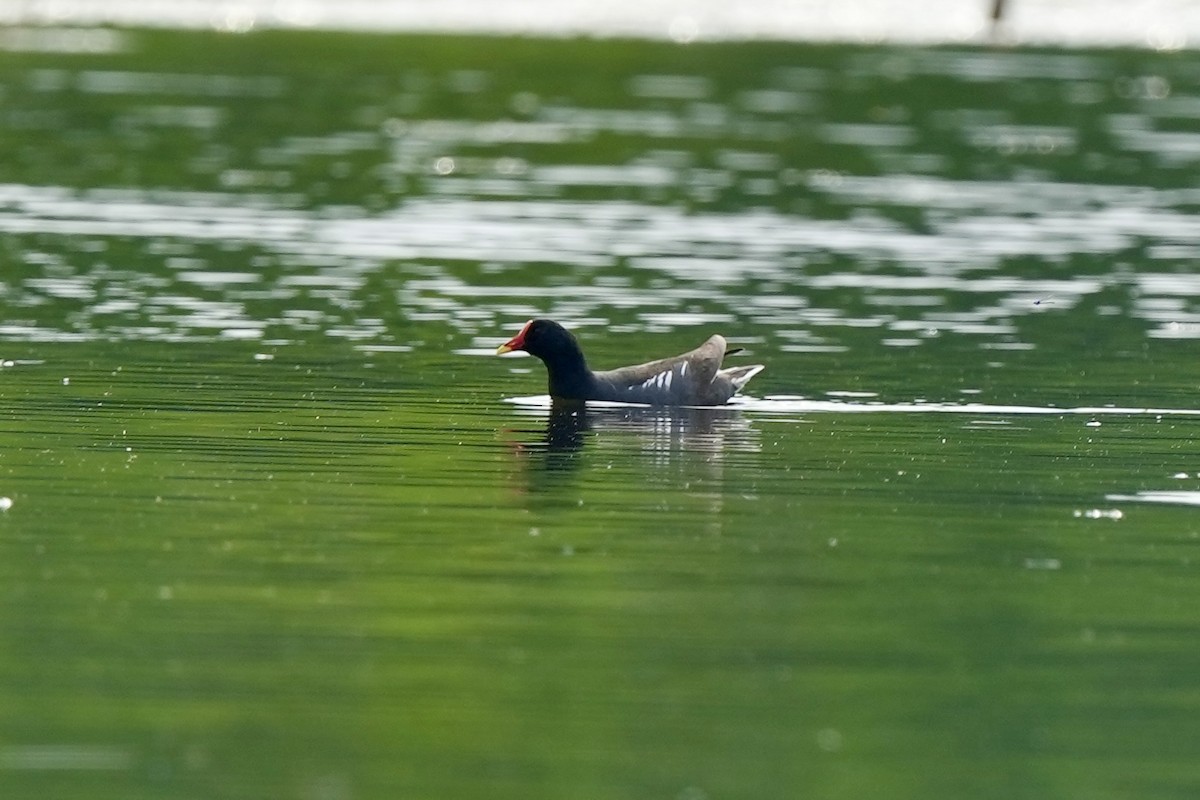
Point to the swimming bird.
(694, 378)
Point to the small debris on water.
(1043, 563)
(829, 740)
(5, 503)
(66, 381)
(1095, 423)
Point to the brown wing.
(680, 380)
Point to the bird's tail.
(740, 376)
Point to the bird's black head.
(568, 371)
(545, 339)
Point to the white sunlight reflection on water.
(1157, 24)
(691, 251)
(1180, 498)
(584, 233)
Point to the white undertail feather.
(740, 376)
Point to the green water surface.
(275, 528)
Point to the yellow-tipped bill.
(515, 343)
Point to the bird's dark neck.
(569, 375)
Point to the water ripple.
(786, 404)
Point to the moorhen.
(691, 379)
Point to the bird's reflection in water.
(565, 428)
(553, 451)
(666, 439)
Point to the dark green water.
(279, 526)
